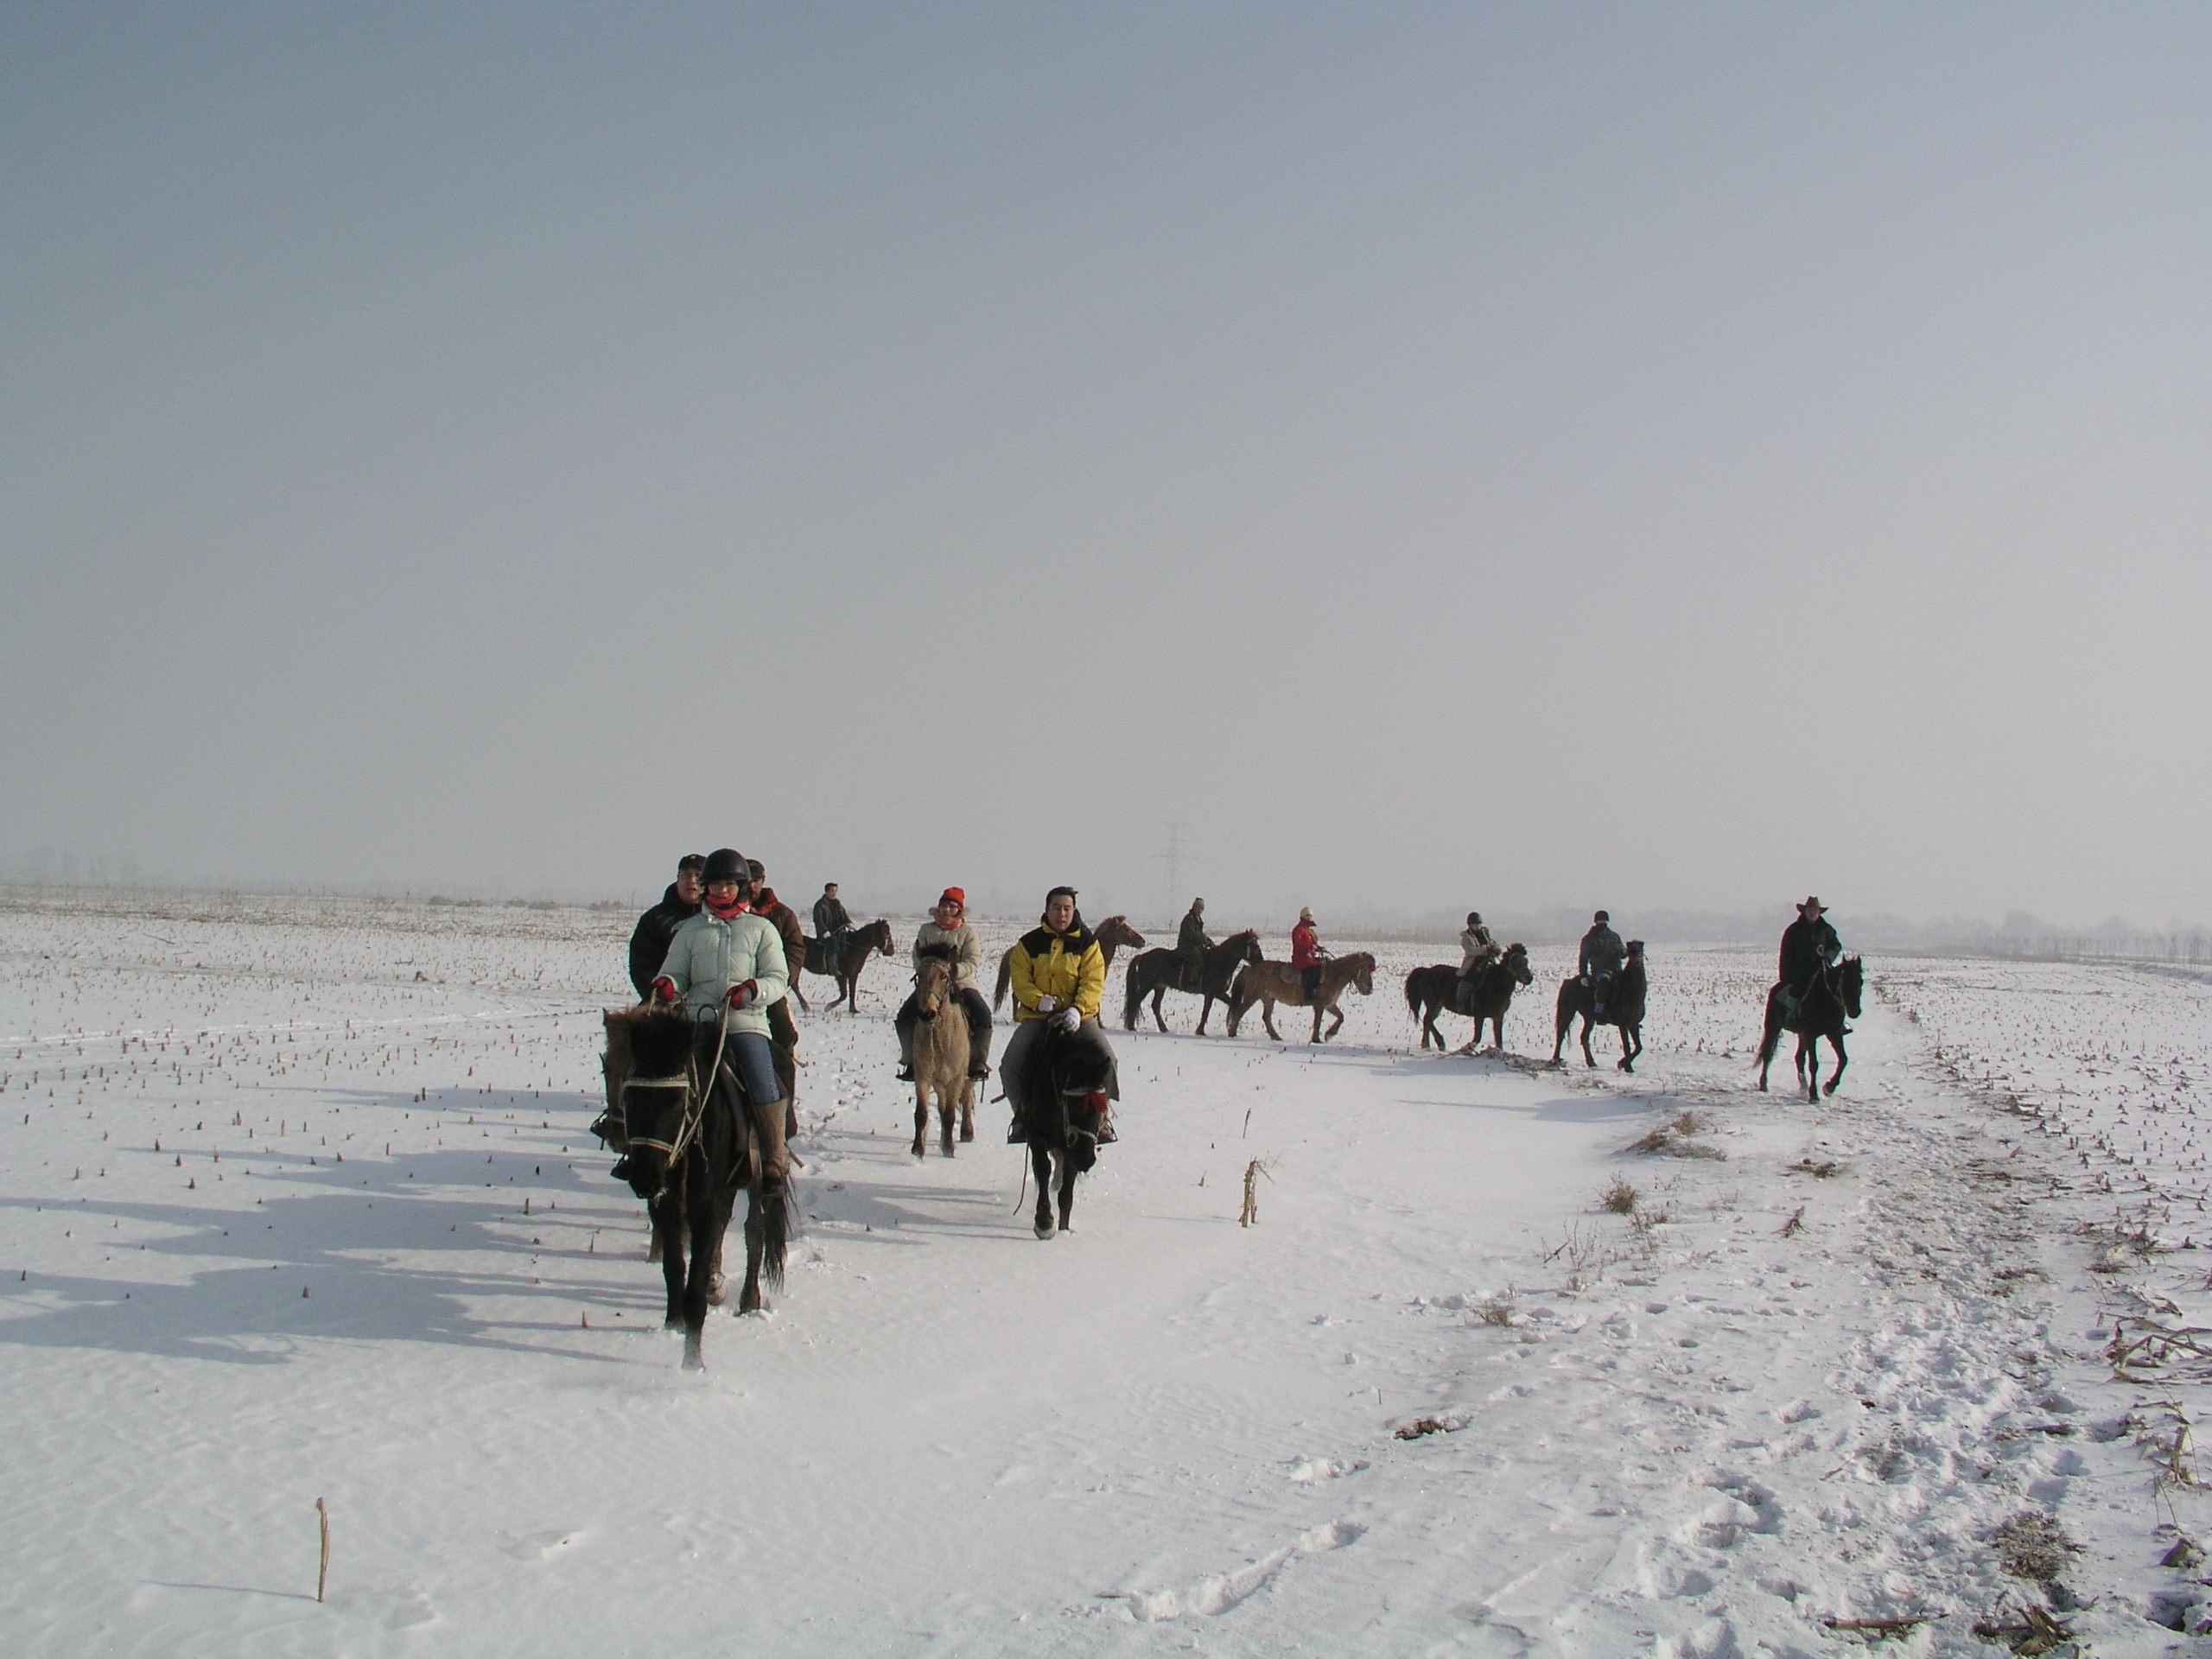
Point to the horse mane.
(938, 953)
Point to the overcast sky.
(1444, 456)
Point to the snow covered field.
(300, 1202)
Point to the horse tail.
(1006, 978)
(1413, 991)
(778, 1223)
(1132, 997)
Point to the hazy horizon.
(1442, 457)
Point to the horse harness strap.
(628, 1084)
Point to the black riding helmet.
(726, 864)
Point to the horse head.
(1851, 979)
(655, 1094)
(1516, 962)
(881, 929)
(932, 978)
(1116, 932)
(1362, 975)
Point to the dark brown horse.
(1432, 991)
(1112, 934)
(1624, 1000)
(1831, 999)
(1064, 1104)
(1158, 971)
(1270, 982)
(843, 958)
(691, 1145)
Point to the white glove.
(1047, 1004)
(1068, 1021)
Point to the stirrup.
(976, 1073)
(906, 1072)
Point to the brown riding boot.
(775, 1155)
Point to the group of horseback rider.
(721, 939)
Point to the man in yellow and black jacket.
(1058, 975)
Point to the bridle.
(695, 1106)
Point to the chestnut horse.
(1270, 982)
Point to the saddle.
(822, 956)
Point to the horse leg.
(966, 1110)
(705, 1213)
(1770, 1039)
(944, 1114)
(1588, 1058)
(1040, 1164)
(1316, 1036)
(1841, 1060)
(1268, 1017)
(1206, 1012)
(1335, 1010)
(1067, 1193)
(1631, 1045)
(921, 1114)
(668, 1236)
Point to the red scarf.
(737, 908)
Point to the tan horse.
(1112, 934)
(1270, 982)
(941, 1055)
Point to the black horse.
(1063, 1104)
(1158, 971)
(842, 957)
(1624, 1009)
(1432, 991)
(691, 1147)
(1831, 999)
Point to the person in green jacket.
(1192, 945)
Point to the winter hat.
(954, 896)
(1601, 916)
(759, 870)
(1304, 914)
(690, 861)
(726, 864)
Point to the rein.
(695, 1106)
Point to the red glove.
(664, 989)
(743, 996)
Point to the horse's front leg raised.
(1841, 1060)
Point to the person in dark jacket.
(649, 944)
(782, 1030)
(1808, 945)
(830, 916)
(1600, 959)
(1192, 945)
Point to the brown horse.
(851, 957)
(1112, 934)
(1158, 971)
(940, 1055)
(1270, 982)
(1625, 1003)
(1432, 991)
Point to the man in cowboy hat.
(1599, 960)
(1808, 945)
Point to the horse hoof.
(1047, 1231)
(967, 1132)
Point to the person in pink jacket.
(1307, 954)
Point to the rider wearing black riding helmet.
(1599, 960)
(728, 963)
